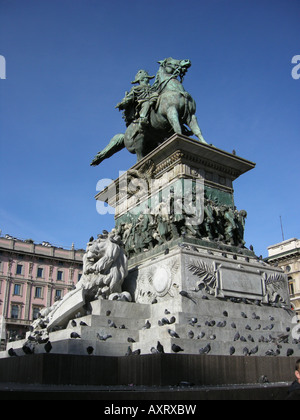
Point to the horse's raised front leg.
(194, 126)
(173, 119)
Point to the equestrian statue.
(153, 113)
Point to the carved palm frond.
(205, 272)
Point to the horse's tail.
(115, 145)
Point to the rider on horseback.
(138, 102)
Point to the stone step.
(217, 347)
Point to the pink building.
(32, 276)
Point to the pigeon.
(231, 351)
(193, 321)
(190, 334)
(250, 338)
(221, 324)
(245, 351)
(160, 347)
(205, 350)
(248, 327)
(108, 313)
(172, 320)
(167, 251)
(210, 323)
(91, 239)
(111, 324)
(103, 337)
(28, 349)
(83, 324)
(243, 315)
(89, 350)
(130, 340)
(48, 347)
(201, 335)
(234, 152)
(73, 323)
(122, 327)
(11, 352)
(74, 335)
(233, 325)
(258, 327)
(225, 313)
(165, 321)
(167, 312)
(136, 352)
(129, 351)
(173, 333)
(204, 297)
(146, 326)
(212, 337)
(185, 294)
(253, 351)
(236, 337)
(289, 352)
(153, 350)
(243, 339)
(176, 349)
(154, 301)
(270, 353)
(254, 316)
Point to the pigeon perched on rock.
(89, 350)
(160, 347)
(147, 326)
(245, 351)
(173, 333)
(176, 349)
(103, 337)
(130, 340)
(289, 352)
(205, 350)
(74, 335)
(186, 295)
(236, 337)
(190, 334)
(83, 324)
(48, 347)
(231, 350)
(253, 351)
(73, 323)
(129, 351)
(11, 352)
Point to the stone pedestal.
(196, 288)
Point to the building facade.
(32, 277)
(286, 255)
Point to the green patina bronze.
(154, 112)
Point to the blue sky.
(69, 62)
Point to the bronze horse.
(175, 109)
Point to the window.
(58, 294)
(40, 272)
(19, 269)
(17, 289)
(35, 312)
(38, 292)
(15, 311)
(59, 275)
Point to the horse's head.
(175, 67)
